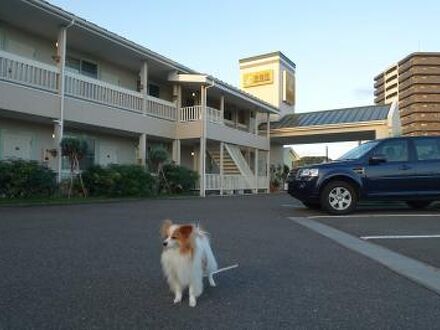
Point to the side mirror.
(377, 159)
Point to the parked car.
(404, 169)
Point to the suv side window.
(427, 148)
(393, 150)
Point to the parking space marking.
(417, 271)
(398, 237)
(389, 215)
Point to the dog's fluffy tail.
(210, 261)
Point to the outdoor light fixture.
(193, 94)
(192, 153)
(53, 136)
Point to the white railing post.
(144, 90)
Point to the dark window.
(73, 64)
(393, 150)
(228, 114)
(427, 149)
(89, 69)
(86, 68)
(153, 90)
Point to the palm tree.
(74, 149)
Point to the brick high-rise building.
(414, 82)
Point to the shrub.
(119, 180)
(24, 179)
(178, 179)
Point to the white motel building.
(61, 75)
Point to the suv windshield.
(359, 151)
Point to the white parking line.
(373, 216)
(366, 238)
(425, 275)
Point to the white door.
(16, 146)
(107, 155)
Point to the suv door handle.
(404, 167)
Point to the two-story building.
(61, 75)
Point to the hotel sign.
(258, 78)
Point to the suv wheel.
(338, 197)
(418, 204)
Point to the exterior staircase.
(229, 166)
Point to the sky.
(338, 46)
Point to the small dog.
(187, 256)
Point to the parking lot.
(415, 234)
(97, 266)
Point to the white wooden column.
(177, 151)
(144, 83)
(203, 142)
(268, 153)
(178, 100)
(222, 148)
(222, 106)
(59, 129)
(142, 149)
(256, 170)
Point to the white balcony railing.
(31, 73)
(235, 182)
(160, 108)
(194, 113)
(215, 115)
(101, 92)
(35, 74)
(189, 114)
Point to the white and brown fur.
(186, 257)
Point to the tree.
(158, 156)
(74, 149)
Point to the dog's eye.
(173, 237)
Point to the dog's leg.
(192, 297)
(211, 280)
(177, 293)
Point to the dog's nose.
(165, 243)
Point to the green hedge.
(118, 181)
(178, 179)
(25, 179)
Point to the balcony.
(45, 77)
(219, 128)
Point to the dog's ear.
(166, 224)
(186, 230)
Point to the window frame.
(410, 150)
(416, 156)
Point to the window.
(393, 150)
(84, 67)
(228, 114)
(427, 149)
(89, 69)
(153, 90)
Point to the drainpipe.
(62, 41)
(203, 139)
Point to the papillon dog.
(186, 257)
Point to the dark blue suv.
(404, 168)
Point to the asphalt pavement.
(96, 266)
